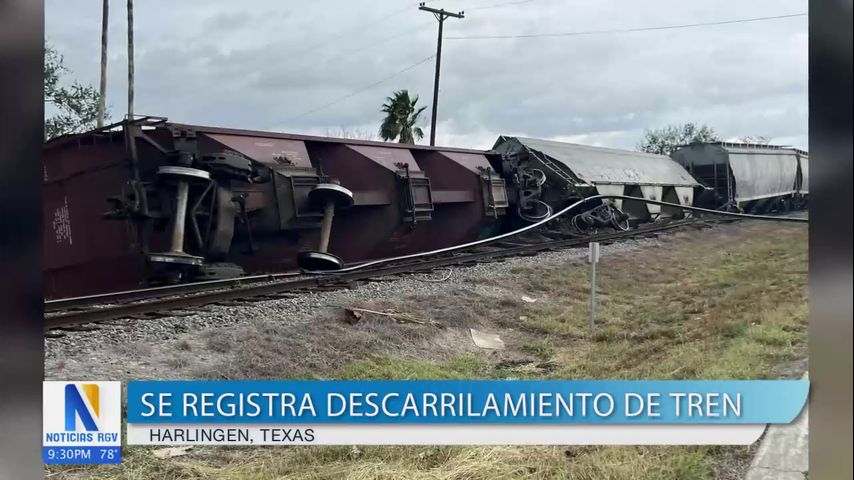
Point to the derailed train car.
(748, 177)
(549, 175)
(153, 201)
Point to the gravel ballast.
(112, 346)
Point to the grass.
(543, 349)
(729, 304)
(435, 463)
(389, 368)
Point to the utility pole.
(130, 60)
(102, 96)
(440, 15)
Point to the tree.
(664, 141)
(754, 139)
(353, 133)
(401, 118)
(76, 105)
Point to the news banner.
(83, 420)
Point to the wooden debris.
(355, 314)
(352, 316)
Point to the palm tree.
(401, 118)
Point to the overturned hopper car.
(549, 175)
(151, 201)
(748, 177)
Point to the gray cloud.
(258, 64)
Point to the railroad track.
(160, 301)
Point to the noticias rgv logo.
(82, 421)
(76, 408)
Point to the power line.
(627, 30)
(323, 58)
(362, 89)
(493, 5)
(356, 29)
(497, 5)
(375, 43)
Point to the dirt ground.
(723, 303)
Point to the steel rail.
(186, 288)
(162, 291)
(160, 304)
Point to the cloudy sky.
(314, 66)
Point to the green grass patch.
(542, 349)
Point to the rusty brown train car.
(151, 201)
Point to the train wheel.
(619, 220)
(315, 261)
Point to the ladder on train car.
(553, 167)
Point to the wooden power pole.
(130, 60)
(102, 95)
(440, 15)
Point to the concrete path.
(784, 452)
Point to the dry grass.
(727, 303)
(268, 350)
(439, 463)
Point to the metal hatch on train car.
(464, 176)
(495, 200)
(416, 198)
(413, 187)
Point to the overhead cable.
(498, 5)
(626, 30)
(355, 29)
(362, 89)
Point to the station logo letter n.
(75, 406)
